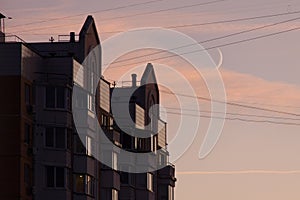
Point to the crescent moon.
(221, 58)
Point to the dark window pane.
(50, 176)
(79, 183)
(60, 177)
(50, 97)
(27, 174)
(27, 134)
(125, 178)
(60, 138)
(60, 97)
(49, 137)
(79, 148)
(69, 179)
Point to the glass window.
(27, 134)
(60, 177)
(115, 160)
(88, 146)
(56, 137)
(55, 176)
(79, 147)
(79, 183)
(171, 192)
(49, 137)
(60, 97)
(50, 97)
(114, 194)
(50, 176)
(149, 181)
(84, 184)
(90, 185)
(27, 178)
(60, 138)
(55, 97)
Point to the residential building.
(40, 150)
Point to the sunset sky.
(254, 158)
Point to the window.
(115, 161)
(27, 178)
(104, 121)
(84, 184)
(87, 149)
(55, 97)
(27, 94)
(171, 192)
(114, 194)
(55, 177)
(79, 147)
(91, 102)
(90, 185)
(150, 181)
(88, 146)
(27, 133)
(56, 137)
(79, 183)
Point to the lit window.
(115, 160)
(84, 184)
(79, 183)
(149, 181)
(87, 149)
(114, 194)
(55, 177)
(171, 192)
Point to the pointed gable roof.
(89, 23)
(148, 75)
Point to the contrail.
(238, 172)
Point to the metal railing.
(11, 38)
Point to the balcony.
(11, 39)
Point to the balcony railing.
(11, 38)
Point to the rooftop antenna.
(51, 39)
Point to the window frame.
(66, 97)
(55, 179)
(54, 138)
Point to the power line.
(218, 46)
(81, 14)
(121, 7)
(209, 40)
(221, 21)
(164, 10)
(179, 26)
(233, 104)
(238, 119)
(234, 114)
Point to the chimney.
(133, 76)
(72, 36)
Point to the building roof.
(89, 22)
(2, 16)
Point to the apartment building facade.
(40, 150)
